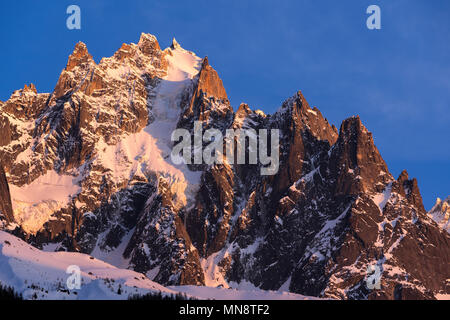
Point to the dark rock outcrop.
(6, 211)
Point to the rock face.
(90, 170)
(6, 212)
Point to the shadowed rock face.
(332, 210)
(440, 213)
(6, 212)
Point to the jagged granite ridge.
(100, 141)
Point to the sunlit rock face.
(88, 169)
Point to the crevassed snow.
(50, 186)
(183, 66)
(149, 150)
(33, 204)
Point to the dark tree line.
(8, 293)
(159, 297)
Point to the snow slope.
(42, 275)
(233, 294)
(440, 213)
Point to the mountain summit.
(441, 213)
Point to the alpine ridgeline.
(89, 170)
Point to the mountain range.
(86, 169)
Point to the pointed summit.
(404, 176)
(148, 44)
(205, 62)
(210, 83)
(294, 103)
(243, 109)
(80, 48)
(175, 44)
(208, 86)
(409, 188)
(30, 88)
(80, 55)
(355, 154)
(6, 211)
(298, 113)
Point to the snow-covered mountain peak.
(42, 275)
(79, 56)
(442, 205)
(89, 170)
(118, 113)
(440, 213)
(183, 64)
(175, 44)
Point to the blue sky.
(397, 78)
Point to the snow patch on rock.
(35, 203)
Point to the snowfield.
(42, 275)
(134, 155)
(35, 203)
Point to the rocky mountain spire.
(148, 44)
(209, 83)
(175, 44)
(357, 161)
(410, 189)
(305, 132)
(209, 99)
(30, 88)
(79, 56)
